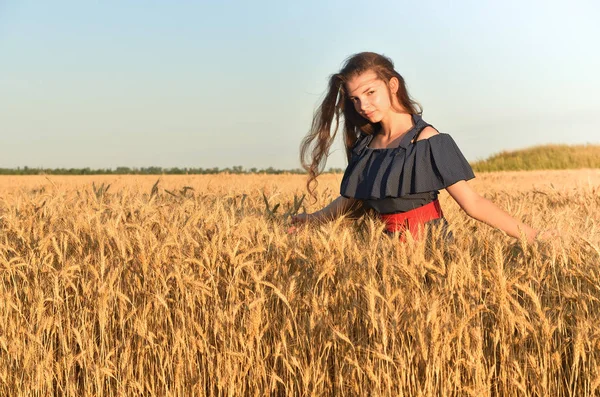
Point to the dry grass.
(544, 157)
(122, 292)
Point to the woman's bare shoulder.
(427, 133)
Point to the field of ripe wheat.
(191, 286)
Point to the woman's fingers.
(300, 218)
(548, 235)
(296, 221)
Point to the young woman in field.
(397, 162)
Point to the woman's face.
(371, 96)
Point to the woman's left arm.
(484, 210)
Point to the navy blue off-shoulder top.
(405, 177)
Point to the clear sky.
(224, 83)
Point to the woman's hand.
(338, 207)
(298, 220)
(547, 235)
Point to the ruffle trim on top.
(424, 166)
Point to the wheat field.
(191, 286)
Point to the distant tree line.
(534, 158)
(238, 169)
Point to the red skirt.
(413, 220)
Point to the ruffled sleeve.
(361, 142)
(424, 166)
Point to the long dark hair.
(316, 144)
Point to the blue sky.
(218, 84)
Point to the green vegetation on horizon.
(238, 169)
(546, 157)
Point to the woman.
(397, 162)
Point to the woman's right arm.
(338, 207)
